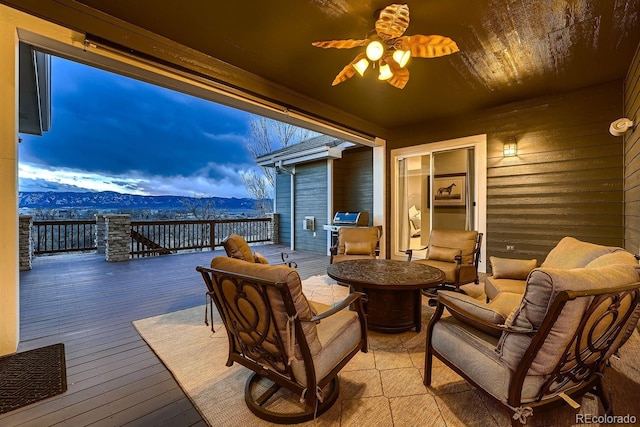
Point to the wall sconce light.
(620, 126)
(510, 149)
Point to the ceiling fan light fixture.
(385, 72)
(401, 57)
(374, 50)
(361, 66)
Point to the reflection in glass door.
(434, 189)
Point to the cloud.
(113, 133)
(215, 180)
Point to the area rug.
(30, 376)
(382, 387)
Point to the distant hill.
(112, 200)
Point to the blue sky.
(113, 133)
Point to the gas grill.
(346, 219)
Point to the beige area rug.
(380, 388)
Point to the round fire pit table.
(393, 289)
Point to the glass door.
(434, 187)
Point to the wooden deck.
(114, 379)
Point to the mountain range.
(113, 200)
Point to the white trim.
(292, 177)
(479, 143)
(329, 202)
(379, 190)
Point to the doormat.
(30, 376)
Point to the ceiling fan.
(389, 49)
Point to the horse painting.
(447, 190)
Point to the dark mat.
(30, 376)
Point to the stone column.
(118, 237)
(25, 243)
(275, 227)
(100, 236)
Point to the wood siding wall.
(566, 179)
(283, 206)
(353, 181)
(632, 157)
(311, 199)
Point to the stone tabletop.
(385, 273)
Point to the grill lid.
(351, 218)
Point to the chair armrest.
(471, 319)
(353, 297)
(409, 252)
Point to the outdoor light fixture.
(510, 149)
(621, 126)
(387, 48)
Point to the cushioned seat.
(285, 339)
(536, 348)
(456, 253)
(356, 243)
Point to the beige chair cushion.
(338, 335)
(463, 240)
(236, 247)
(448, 268)
(506, 268)
(543, 286)
(359, 248)
(473, 352)
(493, 287)
(495, 312)
(573, 253)
(619, 256)
(439, 253)
(357, 235)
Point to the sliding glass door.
(436, 186)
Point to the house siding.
(566, 179)
(632, 158)
(353, 181)
(311, 200)
(283, 206)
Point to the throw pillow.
(475, 308)
(357, 248)
(439, 253)
(506, 268)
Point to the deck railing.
(150, 238)
(63, 236)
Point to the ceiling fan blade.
(427, 46)
(393, 21)
(340, 44)
(400, 76)
(348, 71)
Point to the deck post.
(274, 227)
(118, 237)
(100, 234)
(25, 242)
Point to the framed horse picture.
(450, 190)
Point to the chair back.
(467, 244)
(265, 314)
(590, 312)
(358, 240)
(236, 247)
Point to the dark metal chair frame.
(271, 363)
(583, 362)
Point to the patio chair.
(553, 347)
(237, 247)
(356, 243)
(285, 339)
(456, 253)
